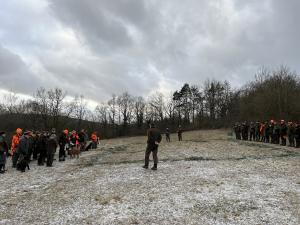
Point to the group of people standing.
(41, 146)
(269, 132)
(179, 134)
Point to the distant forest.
(213, 104)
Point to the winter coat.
(283, 130)
(24, 145)
(153, 136)
(63, 139)
(41, 143)
(94, 138)
(15, 143)
(3, 150)
(51, 144)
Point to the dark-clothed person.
(3, 151)
(271, 131)
(63, 141)
(252, 131)
(237, 131)
(31, 149)
(291, 134)
(276, 133)
(51, 148)
(154, 138)
(35, 151)
(41, 146)
(82, 140)
(283, 132)
(179, 132)
(258, 132)
(168, 139)
(23, 150)
(245, 131)
(267, 132)
(297, 135)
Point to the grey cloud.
(14, 74)
(91, 21)
(135, 45)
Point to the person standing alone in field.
(168, 139)
(179, 132)
(154, 138)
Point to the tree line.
(213, 104)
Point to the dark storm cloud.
(14, 74)
(102, 47)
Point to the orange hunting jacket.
(94, 137)
(14, 143)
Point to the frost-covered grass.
(206, 179)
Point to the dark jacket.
(154, 135)
(297, 132)
(81, 136)
(3, 150)
(24, 145)
(52, 144)
(63, 139)
(41, 143)
(283, 130)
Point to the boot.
(154, 167)
(145, 167)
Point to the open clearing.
(209, 178)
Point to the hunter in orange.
(15, 140)
(94, 139)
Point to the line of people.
(179, 134)
(269, 132)
(41, 146)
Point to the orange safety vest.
(94, 137)
(15, 143)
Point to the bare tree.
(11, 101)
(169, 108)
(156, 106)
(112, 109)
(80, 109)
(55, 98)
(101, 113)
(139, 110)
(41, 106)
(125, 102)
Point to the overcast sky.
(100, 47)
